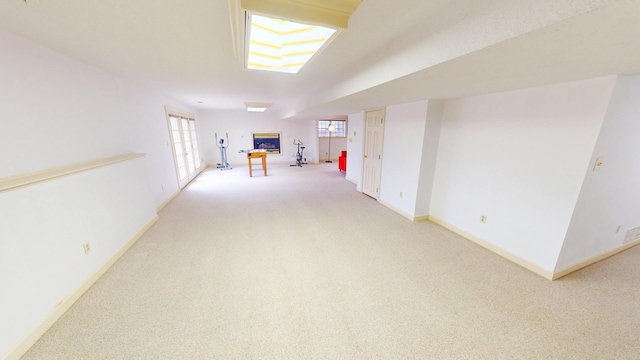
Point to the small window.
(339, 125)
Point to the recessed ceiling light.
(256, 107)
(281, 45)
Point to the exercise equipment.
(224, 165)
(300, 159)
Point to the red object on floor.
(342, 161)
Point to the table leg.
(264, 165)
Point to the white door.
(372, 162)
(195, 151)
(188, 148)
(185, 148)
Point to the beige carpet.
(299, 265)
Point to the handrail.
(15, 182)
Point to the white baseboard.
(404, 213)
(161, 206)
(395, 209)
(550, 275)
(595, 259)
(496, 249)
(27, 342)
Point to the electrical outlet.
(483, 218)
(401, 194)
(87, 248)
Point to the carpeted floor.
(299, 265)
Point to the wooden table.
(255, 155)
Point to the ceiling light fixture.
(256, 107)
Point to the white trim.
(27, 342)
(19, 181)
(594, 259)
(395, 209)
(549, 275)
(169, 199)
(351, 180)
(180, 114)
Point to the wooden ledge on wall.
(15, 182)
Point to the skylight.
(284, 46)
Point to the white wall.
(144, 113)
(241, 124)
(519, 158)
(609, 197)
(57, 112)
(337, 145)
(429, 158)
(64, 112)
(312, 147)
(43, 227)
(355, 130)
(404, 132)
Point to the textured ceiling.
(392, 51)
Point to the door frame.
(191, 173)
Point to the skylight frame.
(280, 54)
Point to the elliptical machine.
(224, 165)
(300, 159)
